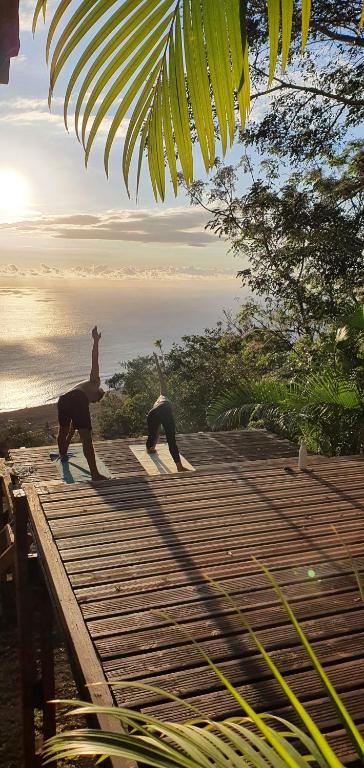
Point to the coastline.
(38, 417)
(35, 417)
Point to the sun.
(14, 193)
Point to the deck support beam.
(26, 608)
(25, 634)
(47, 664)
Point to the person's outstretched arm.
(161, 376)
(95, 372)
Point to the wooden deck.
(201, 449)
(118, 552)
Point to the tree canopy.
(319, 100)
(302, 239)
(179, 69)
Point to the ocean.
(45, 344)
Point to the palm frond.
(229, 409)
(330, 389)
(159, 66)
(318, 390)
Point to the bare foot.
(151, 450)
(96, 478)
(181, 468)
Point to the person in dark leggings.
(161, 414)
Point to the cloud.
(180, 226)
(26, 10)
(29, 111)
(102, 272)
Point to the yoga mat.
(159, 463)
(76, 469)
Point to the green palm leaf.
(193, 54)
(229, 409)
(330, 389)
(327, 389)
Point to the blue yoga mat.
(76, 469)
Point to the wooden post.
(2, 518)
(47, 664)
(25, 634)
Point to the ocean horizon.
(46, 322)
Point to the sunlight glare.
(14, 193)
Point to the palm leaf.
(327, 389)
(230, 408)
(193, 54)
(330, 389)
(343, 714)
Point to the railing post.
(25, 624)
(47, 664)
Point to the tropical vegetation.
(252, 372)
(177, 72)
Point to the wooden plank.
(107, 492)
(89, 667)
(156, 580)
(109, 643)
(292, 580)
(149, 510)
(218, 704)
(135, 567)
(145, 628)
(185, 683)
(146, 538)
(201, 449)
(238, 645)
(172, 548)
(198, 497)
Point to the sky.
(55, 212)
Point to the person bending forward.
(74, 412)
(161, 414)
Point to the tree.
(327, 410)
(303, 239)
(319, 100)
(197, 369)
(324, 403)
(172, 62)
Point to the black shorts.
(74, 408)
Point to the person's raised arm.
(95, 372)
(161, 376)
